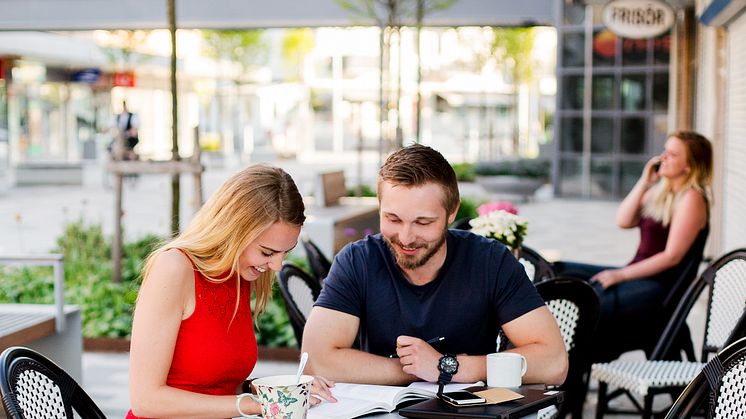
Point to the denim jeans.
(629, 317)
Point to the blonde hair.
(246, 205)
(662, 204)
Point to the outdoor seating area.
(340, 209)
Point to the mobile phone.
(657, 166)
(462, 398)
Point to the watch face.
(448, 364)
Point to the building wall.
(734, 176)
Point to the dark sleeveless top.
(653, 238)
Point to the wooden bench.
(53, 329)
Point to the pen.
(430, 342)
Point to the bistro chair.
(34, 387)
(537, 268)
(575, 306)
(319, 264)
(299, 291)
(721, 386)
(726, 278)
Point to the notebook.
(533, 401)
(355, 400)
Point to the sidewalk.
(32, 218)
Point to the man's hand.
(418, 358)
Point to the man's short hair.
(417, 165)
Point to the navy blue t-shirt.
(480, 287)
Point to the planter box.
(524, 187)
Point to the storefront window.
(571, 176)
(601, 178)
(629, 174)
(660, 92)
(604, 48)
(602, 135)
(662, 49)
(633, 135)
(634, 51)
(603, 92)
(573, 50)
(574, 14)
(572, 97)
(633, 93)
(572, 134)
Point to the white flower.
(502, 226)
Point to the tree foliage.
(243, 47)
(512, 48)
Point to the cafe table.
(536, 398)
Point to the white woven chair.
(725, 323)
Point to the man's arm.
(537, 337)
(328, 338)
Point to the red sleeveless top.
(214, 355)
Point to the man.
(417, 282)
(127, 124)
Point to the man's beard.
(412, 262)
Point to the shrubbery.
(107, 307)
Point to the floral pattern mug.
(281, 397)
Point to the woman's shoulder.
(694, 197)
(172, 265)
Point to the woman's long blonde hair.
(662, 204)
(247, 204)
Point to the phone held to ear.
(462, 398)
(657, 167)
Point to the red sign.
(124, 79)
(2, 70)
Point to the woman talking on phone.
(193, 340)
(670, 206)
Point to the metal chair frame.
(575, 306)
(667, 343)
(319, 264)
(726, 367)
(289, 273)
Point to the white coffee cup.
(505, 369)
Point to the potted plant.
(520, 177)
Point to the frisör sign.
(638, 18)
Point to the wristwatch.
(448, 367)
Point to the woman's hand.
(650, 173)
(320, 387)
(608, 277)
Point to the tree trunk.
(175, 178)
(418, 112)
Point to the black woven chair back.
(319, 264)
(537, 268)
(299, 291)
(726, 279)
(34, 387)
(575, 306)
(720, 387)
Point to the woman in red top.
(670, 206)
(193, 342)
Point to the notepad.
(355, 400)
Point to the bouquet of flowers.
(500, 221)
